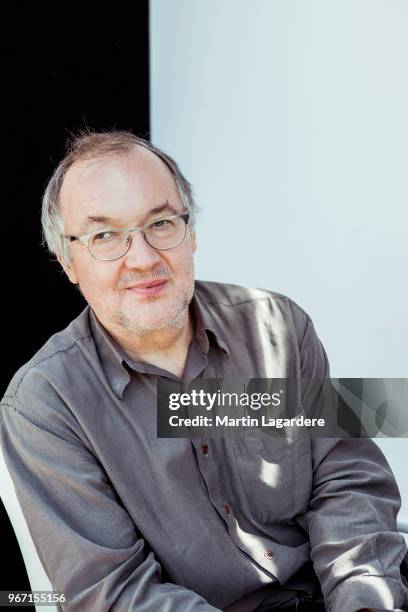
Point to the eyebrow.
(93, 219)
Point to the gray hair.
(90, 145)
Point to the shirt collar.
(207, 322)
(111, 354)
(115, 361)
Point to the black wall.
(65, 66)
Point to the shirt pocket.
(274, 475)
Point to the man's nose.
(140, 253)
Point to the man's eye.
(105, 236)
(161, 223)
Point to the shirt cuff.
(368, 591)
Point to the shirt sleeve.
(87, 542)
(351, 519)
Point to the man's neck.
(166, 349)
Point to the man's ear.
(193, 240)
(68, 269)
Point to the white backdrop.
(290, 118)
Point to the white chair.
(36, 574)
(403, 527)
(395, 451)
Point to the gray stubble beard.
(175, 322)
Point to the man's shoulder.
(214, 293)
(56, 354)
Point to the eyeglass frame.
(85, 238)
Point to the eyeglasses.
(161, 234)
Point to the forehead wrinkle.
(164, 209)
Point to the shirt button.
(204, 448)
(227, 509)
(269, 554)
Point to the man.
(123, 520)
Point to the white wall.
(290, 117)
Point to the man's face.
(129, 190)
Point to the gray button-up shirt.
(123, 520)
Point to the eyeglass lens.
(161, 234)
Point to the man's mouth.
(148, 288)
